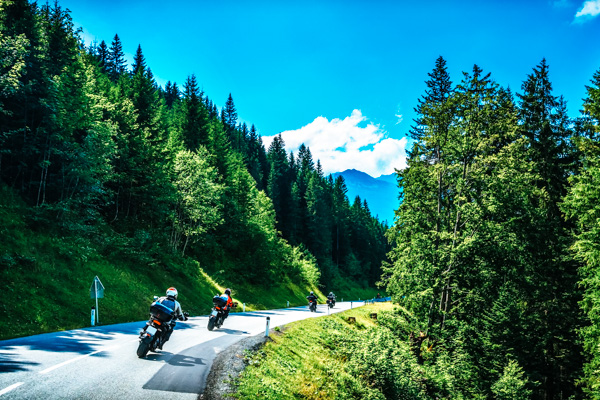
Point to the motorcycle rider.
(170, 300)
(331, 297)
(229, 303)
(311, 297)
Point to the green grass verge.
(305, 361)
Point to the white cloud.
(343, 144)
(590, 9)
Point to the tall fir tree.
(554, 295)
(116, 65)
(581, 206)
(195, 124)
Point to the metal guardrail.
(375, 300)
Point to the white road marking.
(11, 387)
(83, 356)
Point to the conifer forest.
(493, 259)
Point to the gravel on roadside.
(228, 365)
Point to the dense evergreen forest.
(493, 259)
(497, 237)
(98, 153)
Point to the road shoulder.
(227, 366)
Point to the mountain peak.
(380, 193)
(353, 172)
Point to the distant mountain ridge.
(381, 193)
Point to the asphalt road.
(101, 362)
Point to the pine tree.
(171, 93)
(139, 62)
(582, 207)
(195, 128)
(229, 118)
(63, 45)
(253, 158)
(279, 186)
(116, 59)
(554, 295)
(103, 55)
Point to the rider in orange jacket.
(227, 297)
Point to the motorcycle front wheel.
(211, 323)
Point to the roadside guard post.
(267, 330)
(93, 316)
(96, 292)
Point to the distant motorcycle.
(312, 305)
(152, 336)
(217, 315)
(330, 303)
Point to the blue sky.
(344, 76)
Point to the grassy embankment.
(45, 279)
(311, 359)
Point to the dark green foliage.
(137, 175)
(582, 206)
(171, 94)
(116, 64)
(102, 54)
(195, 125)
(312, 210)
(481, 258)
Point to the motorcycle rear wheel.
(143, 348)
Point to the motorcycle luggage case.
(161, 312)
(219, 301)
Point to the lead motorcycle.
(312, 305)
(217, 315)
(153, 334)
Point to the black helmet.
(228, 292)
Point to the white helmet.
(172, 292)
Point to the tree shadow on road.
(81, 341)
(9, 364)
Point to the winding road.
(101, 362)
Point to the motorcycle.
(330, 303)
(217, 315)
(312, 305)
(153, 334)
